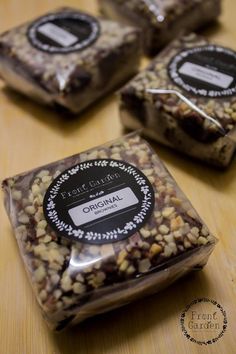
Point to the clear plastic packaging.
(162, 20)
(69, 59)
(186, 99)
(151, 234)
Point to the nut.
(164, 230)
(66, 283)
(124, 265)
(23, 219)
(30, 209)
(144, 265)
(202, 241)
(16, 195)
(176, 223)
(166, 213)
(39, 274)
(155, 249)
(122, 255)
(145, 233)
(79, 288)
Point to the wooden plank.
(31, 135)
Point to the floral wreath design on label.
(210, 341)
(92, 21)
(174, 75)
(147, 204)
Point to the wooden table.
(31, 135)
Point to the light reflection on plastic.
(155, 9)
(191, 105)
(160, 18)
(83, 264)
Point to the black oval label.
(63, 32)
(99, 201)
(208, 71)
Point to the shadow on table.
(108, 332)
(57, 118)
(211, 29)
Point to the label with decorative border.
(208, 71)
(63, 32)
(99, 201)
(203, 321)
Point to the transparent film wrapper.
(160, 20)
(186, 99)
(76, 278)
(68, 59)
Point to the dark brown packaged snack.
(162, 21)
(186, 99)
(68, 58)
(102, 228)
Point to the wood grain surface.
(31, 135)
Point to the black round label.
(208, 71)
(63, 32)
(99, 201)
